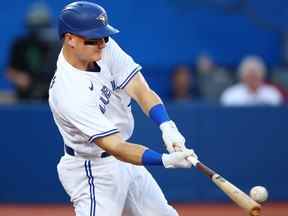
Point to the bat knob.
(256, 212)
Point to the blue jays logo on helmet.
(85, 19)
(103, 18)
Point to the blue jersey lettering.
(104, 98)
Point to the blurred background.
(221, 67)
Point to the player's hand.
(172, 138)
(178, 159)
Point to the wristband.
(159, 114)
(151, 157)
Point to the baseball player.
(90, 98)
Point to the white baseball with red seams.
(259, 194)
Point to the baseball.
(259, 194)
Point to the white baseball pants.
(109, 187)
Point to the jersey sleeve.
(122, 65)
(89, 120)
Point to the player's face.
(89, 50)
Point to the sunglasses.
(93, 42)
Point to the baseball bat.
(238, 196)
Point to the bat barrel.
(238, 196)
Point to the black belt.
(70, 151)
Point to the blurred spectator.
(33, 56)
(251, 90)
(183, 88)
(212, 80)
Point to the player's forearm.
(147, 100)
(153, 107)
(141, 92)
(141, 155)
(129, 152)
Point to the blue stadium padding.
(247, 145)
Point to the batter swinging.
(90, 97)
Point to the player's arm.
(122, 150)
(140, 91)
(153, 107)
(140, 155)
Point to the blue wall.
(247, 146)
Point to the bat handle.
(202, 167)
(193, 160)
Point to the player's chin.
(97, 56)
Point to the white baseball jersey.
(87, 105)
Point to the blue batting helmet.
(85, 19)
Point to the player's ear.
(70, 40)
